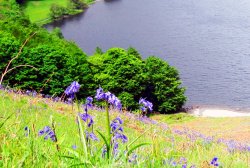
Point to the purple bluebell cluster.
(31, 93)
(109, 97)
(87, 118)
(91, 135)
(88, 104)
(214, 162)
(89, 101)
(145, 105)
(117, 134)
(147, 120)
(48, 133)
(72, 89)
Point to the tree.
(120, 73)
(163, 86)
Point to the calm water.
(207, 40)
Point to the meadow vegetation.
(23, 116)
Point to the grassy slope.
(19, 150)
(236, 128)
(39, 10)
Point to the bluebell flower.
(40, 133)
(115, 148)
(133, 158)
(248, 148)
(184, 166)
(89, 101)
(87, 118)
(117, 134)
(145, 105)
(121, 137)
(74, 147)
(104, 151)
(27, 130)
(48, 132)
(108, 97)
(91, 135)
(72, 89)
(100, 94)
(28, 92)
(174, 164)
(214, 162)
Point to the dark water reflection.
(207, 40)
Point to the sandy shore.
(218, 112)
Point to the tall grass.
(22, 148)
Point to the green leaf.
(137, 146)
(105, 141)
(83, 140)
(6, 120)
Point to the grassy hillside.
(169, 145)
(39, 10)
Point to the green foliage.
(127, 100)
(120, 73)
(57, 11)
(163, 87)
(79, 4)
(59, 62)
(128, 76)
(57, 32)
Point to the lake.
(207, 40)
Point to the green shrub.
(56, 11)
(163, 86)
(78, 4)
(127, 75)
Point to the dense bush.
(128, 76)
(78, 4)
(163, 86)
(57, 11)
